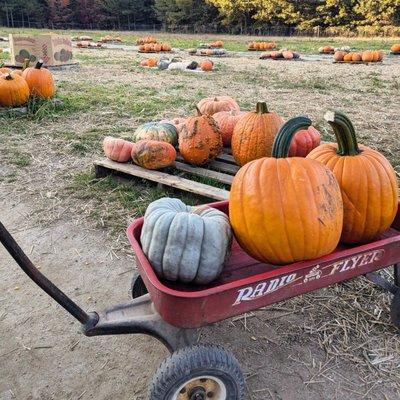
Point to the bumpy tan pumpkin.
(212, 105)
(200, 140)
(117, 149)
(183, 243)
(254, 134)
(152, 154)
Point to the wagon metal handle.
(52, 290)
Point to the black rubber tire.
(195, 361)
(395, 310)
(138, 287)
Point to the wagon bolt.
(210, 394)
(198, 393)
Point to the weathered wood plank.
(224, 167)
(165, 179)
(227, 158)
(206, 173)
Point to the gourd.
(151, 62)
(117, 149)
(287, 54)
(152, 154)
(304, 141)
(366, 178)
(284, 210)
(14, 91)
(356, 56)
(200, 140)
(193, 65)
(211, 105)
(40, 81)
(254, 134)
(163, 132)
(184, 243)
(226, 121)
(367, 56)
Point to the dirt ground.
(336, 343)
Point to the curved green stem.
(261, 107)
(344, 132)
(199, 114)
(281, 146)
(25, 65)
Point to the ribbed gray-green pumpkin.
(184, 243)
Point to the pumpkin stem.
(39, 64)
(25, 65)
(262, 107)
(283, 138)
(198, 112)
(344, 132)
(9, 77)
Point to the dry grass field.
(336, 343)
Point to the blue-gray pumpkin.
(184, 243)
(163, 132)
(163, 64)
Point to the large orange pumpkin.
(366, 178)
(40, 81)
(304, 141)
(117, 149)
(200, 140)
(226, 121)
(14, 91)
(284, 210)
(152, 154)
(211, 105)
(254, 134)
(207, 65)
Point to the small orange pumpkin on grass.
(40, 81)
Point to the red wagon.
(170, 311)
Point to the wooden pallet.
(222, 170)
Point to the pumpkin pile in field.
(216, 44)
(109, 38)
(281, 54)
(261, 46)
(177, 63)
(356, 56)
(395, 49)
(155, 47)
(146, 40)
(16, 87)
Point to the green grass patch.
(17, 157)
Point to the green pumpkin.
(163, 64)
(163, 132)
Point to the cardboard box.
(51, 48)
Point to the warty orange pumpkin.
(211, 105)
(152, 154)
(254, 134)
(14, 91)
(284, 210)
(200, 140)
(226, 121)
(40, 81)
(367, 180)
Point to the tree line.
(235, 16)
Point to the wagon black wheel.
(201, 372)
(137, 287)
(395, 309)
